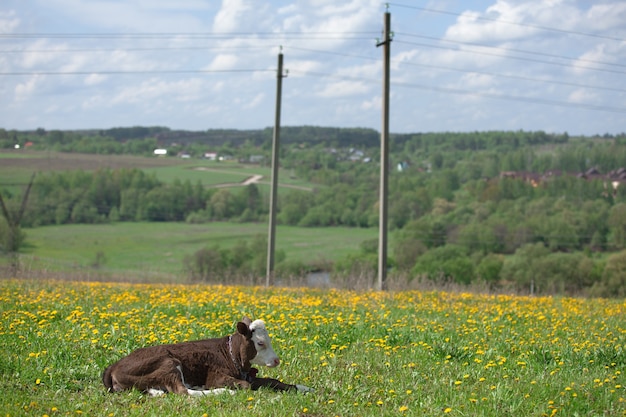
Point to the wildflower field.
(365, 353)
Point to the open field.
(365, 353)
(16, 168)
(152, 249)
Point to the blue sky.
(552, 65)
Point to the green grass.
(17, 168)
(161, 247)
(208, 174)
(365, 353)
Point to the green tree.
(613, 283)
(617, 224)
(222, 204)
(444, 263)
(407, 251)
(524, 268)
(489, 269)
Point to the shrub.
(489, 269)
(444, 263)
(613, 282)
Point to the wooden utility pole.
(384, 159)
(271, 240)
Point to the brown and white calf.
(200, 367)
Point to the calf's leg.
(218, 380)
(162, 374)
(277, 385)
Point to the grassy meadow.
(365, 353)
(16, 168)
(158, 249)
(155, 251)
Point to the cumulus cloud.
(133, 15)
(94, 79)
(582, 96)
(508, 20)
(8, 21)
(344, 88)
(480, 81)
(252, 102)
(241, 16)
(26, 88)
(334, 66)
(223, 62)
(159, 89)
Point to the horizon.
(97, 129)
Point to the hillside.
(530, 211)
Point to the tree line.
(452, 216)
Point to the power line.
(329, 75)
(518, 77)
(160, 48)
(292, 47)
(520, 99)
(464, 92)
(530, 25)
(514, 57)
(493, 74)
(138, 72)
(512, 50)
(184, 35)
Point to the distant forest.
(543, 213)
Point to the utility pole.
(271, 240)
(384, 159)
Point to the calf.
(200, 367)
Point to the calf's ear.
(246, 320)
(244, 329)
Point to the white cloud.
(373, 103)
(470, 28)
(607, 55)
(606, 16)
(329, 49)
(508, 20)
(474, 81)
(340, 17)
(343, 89)
(8, 21)
(223, 62)
(367, 70)
(241, 16)
(93, 102)
(582, 96)
(132, 15)
(94, 79)
(26, 88)
(252, 102)
(299, 67)
(158, 89)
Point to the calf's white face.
(265, 355)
